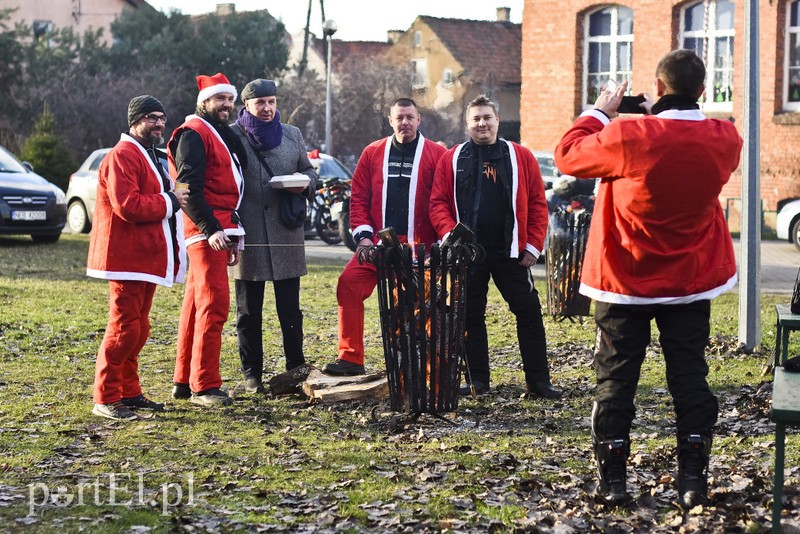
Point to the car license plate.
(28, 215)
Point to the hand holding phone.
(630, 104)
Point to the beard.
(148, 135)
(156, 139)
(213, 115)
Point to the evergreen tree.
(11, 67)
(48, 152)
(243, 46)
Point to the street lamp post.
(328, 29)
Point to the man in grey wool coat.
(274, 251)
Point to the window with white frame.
(791, 86)
(419, 73)
(447, 77)
(41, 29)
(707, 28)
(417, 39)
(607, 49)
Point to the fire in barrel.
(566, 247)
(422, 309)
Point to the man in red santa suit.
(136, 244)
(207, 156)
(495, 188)
(391, 188)
(659, 249)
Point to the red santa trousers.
(116, 371)
(206, 303)
(356, 284)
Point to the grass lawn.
(502, 463)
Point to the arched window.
(707, 28)
(792, 70)
(607, 49)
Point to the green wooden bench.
(786, 323)
(785, 403)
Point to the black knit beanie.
(140, 106)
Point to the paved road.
(779, 262)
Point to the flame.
(432, 379)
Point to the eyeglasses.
(152, 119)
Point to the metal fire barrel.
(565, 249)
(422, 312)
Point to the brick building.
(571, 47)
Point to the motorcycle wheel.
(309, 231)
(327, 229)
(347, 234)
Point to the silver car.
(82, 191)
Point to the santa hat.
(214, 85)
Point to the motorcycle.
(341, 212)
(569, 194)
(327, 200)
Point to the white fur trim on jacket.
(514, 250)
(412, 186)
(238, 178)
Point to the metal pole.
(328, 147)
(750, 258)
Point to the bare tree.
(364, 92)
(301, 102)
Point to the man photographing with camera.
(655, 252)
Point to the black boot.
(694, 451)
(612, 457)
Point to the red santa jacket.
(223, 185)
(530, 206)
(368, 199)
(658, 233)
(131, 238)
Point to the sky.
(358, 20)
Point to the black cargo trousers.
(623, 333)
(515, 284)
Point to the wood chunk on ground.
(291, 382)
(332, 389)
